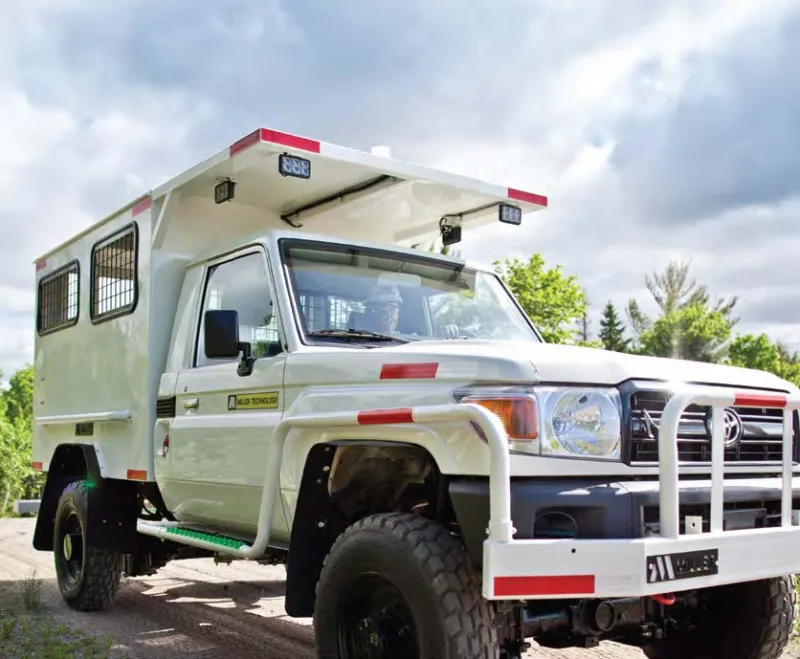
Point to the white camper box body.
(107, 371)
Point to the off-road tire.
(751, 620)
(430, 570)
(100, 572)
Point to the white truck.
(255, 362)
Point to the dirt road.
(195, 609)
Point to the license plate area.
(682, 565)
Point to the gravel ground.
(195, 609)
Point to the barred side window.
(115, 286)
(58, 298)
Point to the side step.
(186, 535)
(217, 539)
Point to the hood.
(572, 364)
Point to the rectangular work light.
(509, 214)
(294, 166)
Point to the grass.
(28, 631)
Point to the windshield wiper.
(355, 334)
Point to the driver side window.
(242, 285)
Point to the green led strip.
(215, 539)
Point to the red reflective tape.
(381, 417)
(293, 141)
(571, 584)
(142, 206)
(529, 197)
(37, 466)
(40, 264)
(245, 142)
(409, 371)
(275, 137)
(137, 474)
(760, 400)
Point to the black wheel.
(751, 620)
(398, 585)
(88, 576)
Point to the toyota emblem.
(733, 427)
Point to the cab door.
(223, 421)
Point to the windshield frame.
(285, 244)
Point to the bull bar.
(669, 561)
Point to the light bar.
(294, 166)
(509, 214)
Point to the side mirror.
(221, 334)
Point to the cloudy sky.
(659, 129)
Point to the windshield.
(343, 293)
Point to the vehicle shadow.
(169, 618)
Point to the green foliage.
(691, 332)
(28, 629)
(759, 352)
(689, 325)
(553, 301)
(612, 330)
(19, 396)
(17, 478)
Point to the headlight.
(554, 421)
(583, 423)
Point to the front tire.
(399, 585)
(751, 620)
(88, 576)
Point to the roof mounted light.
(450, 230)
(294, 166)
(223, 191)
(509, 214)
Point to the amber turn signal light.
(518, 414)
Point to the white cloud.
(99, 102)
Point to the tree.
(612, 330)
(689, 326)
(19, 396)
(553, 301)
(691, 332)
(17, 478)
(758, 352)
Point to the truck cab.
(269, 365)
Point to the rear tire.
(88, 576)
(751, 620)
(399, 585)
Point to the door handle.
(191, 403)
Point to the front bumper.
(557, 569)
(551, 568)
(614, 549)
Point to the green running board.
(208, 537)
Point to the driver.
(383, 308)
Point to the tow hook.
(667, 599)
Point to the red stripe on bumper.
(574, 584)
(760, 400)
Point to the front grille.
(761, 436)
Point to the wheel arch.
(113, 503)
(328, 501)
